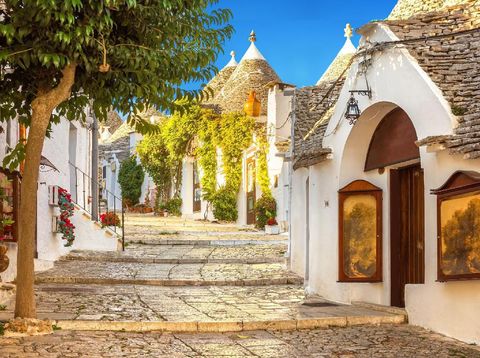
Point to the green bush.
(265, 208)
(224, 203)
(130, 178)
(174, 206)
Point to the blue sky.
(299, 38)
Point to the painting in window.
(360, 230)
(460, 235)
(459, 227)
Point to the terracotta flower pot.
(4, 260)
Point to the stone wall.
(313, 109)
(452, 63)
(406, 9)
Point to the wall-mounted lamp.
(353, 111)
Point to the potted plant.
(272, 228)
(109, 219)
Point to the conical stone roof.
(406, 9)
(217, 83)
(341, 62)
(253, 73)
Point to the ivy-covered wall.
(199, 133)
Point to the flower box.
(272, 229)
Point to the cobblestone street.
(191, 284)
(362, 342)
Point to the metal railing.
(81, 189)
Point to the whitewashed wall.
(187, 193)
(50, 246)
(396, 79)
(279, 130)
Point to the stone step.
(171, 282)
(168, 274)
(229, 326)
(264, 260)
(194, 309)
(201, 242)
(186, 254)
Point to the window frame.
(16, 182)
(459, 184)
(356, 188)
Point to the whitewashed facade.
(397, 81)
(68, 147)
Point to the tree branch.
(61, 92)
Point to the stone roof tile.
(453, 64)
(249, 75)
(314, 107)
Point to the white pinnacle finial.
(348, 31)
(233, 62)
(253, 36)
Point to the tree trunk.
(42, 108)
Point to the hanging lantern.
(353, 111)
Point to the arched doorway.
(393, 146)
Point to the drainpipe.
(290, 174)
(94, 167)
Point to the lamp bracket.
(367, 92)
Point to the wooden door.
(407, 231)
(251, 188)
(197, 190)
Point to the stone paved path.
(215, 287)
(168, 274)
(164, 231)
(183, 304)
(362, 342)
(234, 281)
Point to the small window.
(360, 233)
(458, 217)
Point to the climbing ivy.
(155, 159)
(235, 136)
(130, 178)
(200, 132)
(262, 162)
(206, 152)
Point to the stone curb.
(229, 326)
(266, 260)
(381, 308)
(108, 281)
(161, 242)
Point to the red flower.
(272, 222)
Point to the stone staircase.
(188, 279)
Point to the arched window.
(393, 141)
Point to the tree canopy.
(130, 178)
(126, 53)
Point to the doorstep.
(228, 326)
